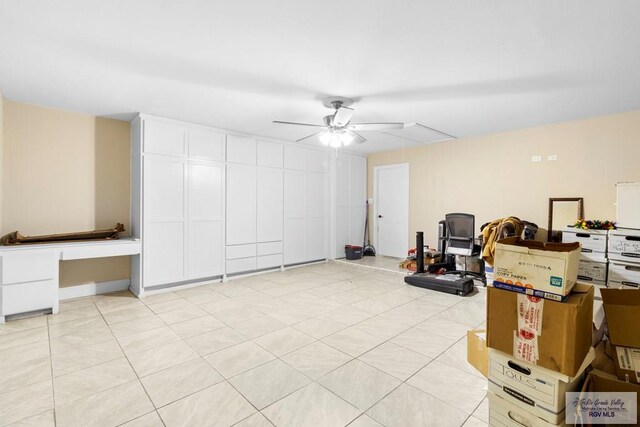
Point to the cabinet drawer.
(269, 261)
(241, 251)
(269, 248)
(25, 297)
(241, 265)
(28, 267)
(163, 138)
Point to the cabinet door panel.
(163, 251)
(295, 158)
(205, 249)
(342, 179)
(294, 196)
(358, 181)
(241, 150)
(315, 195)
(163, 138)
(241, 204)
(316, 160)
(163, 189)
(206, 145)
(270, 154)
(270, 204)
(205, 191)
(315, 239)
(343, 231)
(294, 235)
(357, 225)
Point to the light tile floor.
(332, 344)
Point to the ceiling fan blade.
(309, 136)
(342, 116)
(375, 126)
(296, 124)
(358, 139)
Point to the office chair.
(460, 241)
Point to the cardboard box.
(600, 381)
(622, 310)
(541, 391)
(592, 271)
(590, 240)
(546, 270)
(477, 351)
(624, 245)
(623, 274)
(566, 327)
(505, 413)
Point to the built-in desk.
(29, 274)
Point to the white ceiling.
(463, 67)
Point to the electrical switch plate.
(552, 157)
(536, 158)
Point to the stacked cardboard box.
(593, 264)
(539, 332)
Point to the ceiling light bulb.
(347, 139)
(325, 138)
(336, 140)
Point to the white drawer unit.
(591, 271)
(28, 266)
(590, 240)
(624, 245)
(241, 251)
(623, 274)
(269, 248)
(29, 296)
(268, 261)
(241, 265)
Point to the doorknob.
(379, 216)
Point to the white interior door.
(391, 213)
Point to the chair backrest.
(460, 225)
(460, 233)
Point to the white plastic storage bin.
(623, 274)
(591, 240)
(624, 245)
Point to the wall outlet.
(536, 158)
(552, 157)
(370, 201)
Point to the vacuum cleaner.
(437, 282)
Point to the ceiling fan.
(337, 130)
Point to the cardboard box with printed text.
(546, 270)
(565, 335)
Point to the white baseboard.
(89, 289)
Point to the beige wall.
(493, 176)
(66, 172)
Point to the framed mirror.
(563, 211)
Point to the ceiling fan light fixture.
(325, 138)
(347, 138)
(336, 140)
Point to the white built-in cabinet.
(178, 202)
(254, 204)
(350, 199)
(207, 203)
(306, 211)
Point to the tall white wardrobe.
(208, 204)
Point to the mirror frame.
(580, 212)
